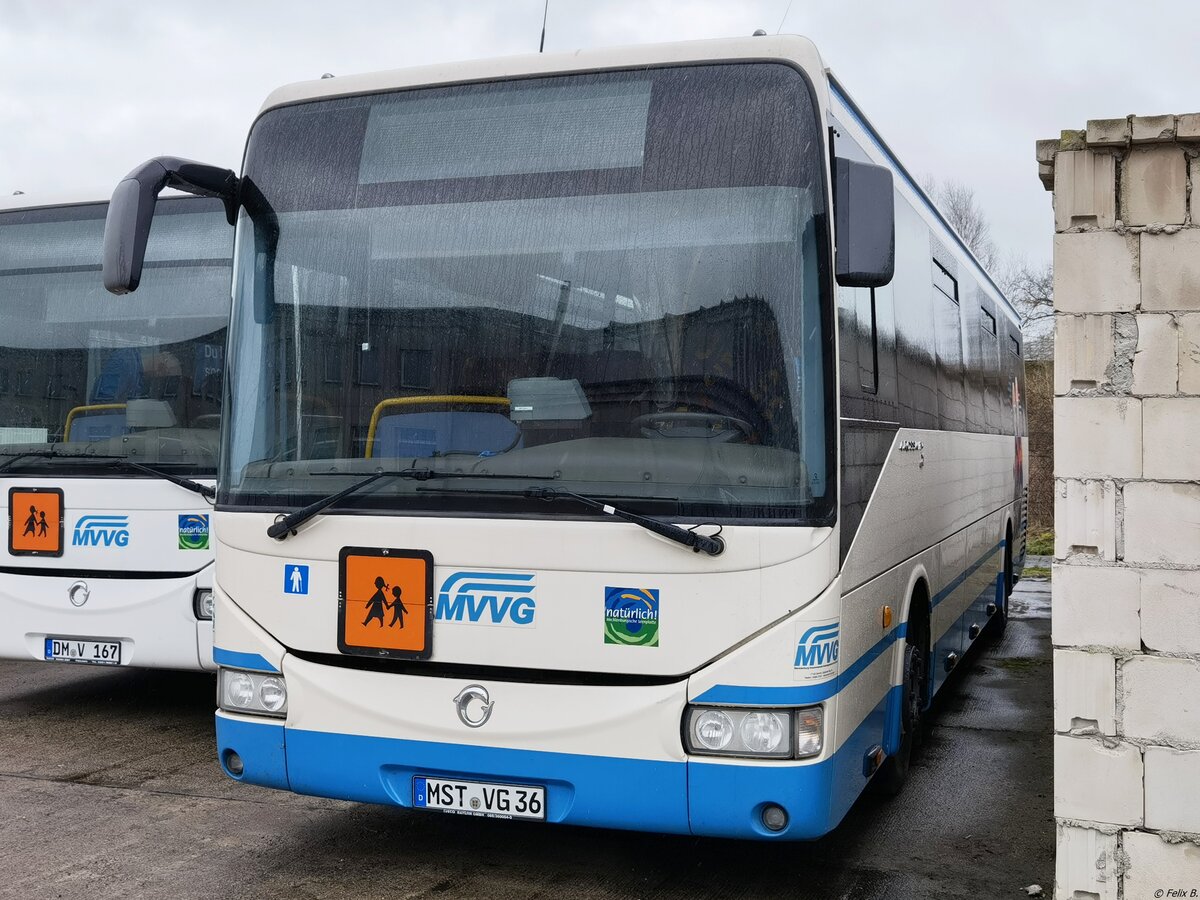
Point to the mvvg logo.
(487, 598)
(817, 651)
(101, 531)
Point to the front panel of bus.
(107, 562)
(613, 285)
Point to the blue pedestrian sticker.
(295, 579)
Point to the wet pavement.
(109, 789)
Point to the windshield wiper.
(110, 459)
(710, 544)
(204, 490)
(285, 525)
(52, 454)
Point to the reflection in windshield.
(92, 375)
(643, 324)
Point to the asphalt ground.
(109, 788)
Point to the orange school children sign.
(35, 521)
(385, 602)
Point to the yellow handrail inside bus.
(416, 401)
(95, 407)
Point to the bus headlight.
(713, 730)
(256, 693)
(202, 604)
(760, 733)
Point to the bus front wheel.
(892, 775)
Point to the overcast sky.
(961, 90)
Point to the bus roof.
(782, 47)
(42, 201)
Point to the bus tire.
(893, 774)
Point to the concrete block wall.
(1126, 582)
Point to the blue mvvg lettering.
(818, 647)
(101, 531)
(487, 598)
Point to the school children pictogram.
(385, 602)
(35, 521)
(379, 603)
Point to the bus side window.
(988, 322)
(944, 281)
(868, 341)
(994, 369)
(948, 343)
(859, 339)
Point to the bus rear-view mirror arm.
(131, 211)
(864, 209)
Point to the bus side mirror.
(131, 212)
(864, 209)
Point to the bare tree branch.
(1030, 288)
(957, 203)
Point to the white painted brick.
(1194, 203)
(1189, 351)
(1156, 360)
(1154, 186)
(1085, 517)
(1161, 698)
(1188, 127)
(1172, 789)
(1097, 437)
(1162, 523)
(1083, 348)
(1085, 189)
(1170, 270)
(1171, 442)
(1096, 606)
(1170, 609)
(1094, 271)
(1108, 132)
(1152, 864)
(1151, 129)
(1085, 861)
(1085, 692)
(1097, 783)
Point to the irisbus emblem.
(488, 598)
(101, 531)
(817, 651)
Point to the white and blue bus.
(109, 434)
(619, 438)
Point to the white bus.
(109, 435)
(618, 438)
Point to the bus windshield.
(86, 377)
(614, 280)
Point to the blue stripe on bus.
(698, 795)
(799, 695)
(235, 659)
(260, 747)
(954, 585)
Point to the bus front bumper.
(335, 744)
(153, 619)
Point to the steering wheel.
(710, 426)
